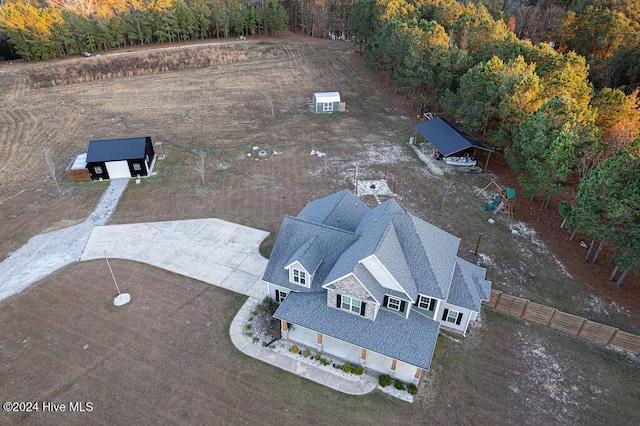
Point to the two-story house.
(371, 286)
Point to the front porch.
(373, 362)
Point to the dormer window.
(393, 303)
(299, 277)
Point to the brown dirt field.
(167, 357)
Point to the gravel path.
(46, 253)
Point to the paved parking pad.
(214, 251)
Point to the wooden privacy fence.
(572, 324)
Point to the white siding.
(299, 267)
(380, 273)
(466, 314)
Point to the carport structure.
(447, 138)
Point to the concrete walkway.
(45, 253)
(358, 385)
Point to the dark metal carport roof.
(116, 149)
(447, 138)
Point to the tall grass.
(134, 63)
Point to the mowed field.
(166, 357)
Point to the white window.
(393, 303)
(98, 170)
(351, 304)
(427, 303)
(327, 106)
(452, 316)
(299, 277)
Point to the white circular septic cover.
(262, 153)
(122, 299)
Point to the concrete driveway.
(211, 250)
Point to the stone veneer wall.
(349, 286)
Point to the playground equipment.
(502, 199)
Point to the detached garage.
(120, 158)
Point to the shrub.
(264, 344)
(248, 333)
(254, 313)
(325, 361)
(337, 366)
(317, 356)
(294, 350)
(384, 380)
(255, 340)
(247, 326)
(306, 353)
(412, 389)
(347, 368)
(398, 385)
(251, 318)
(358, 370)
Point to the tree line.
(53, 28)
(533, 100)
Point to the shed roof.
(447, 137)
(327, 96)
(116, 149)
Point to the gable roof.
(292, 238)
(116, 149)
(341, 210)
(447, 137)
(420, 257)
(309, 255)
(468, 287)
(411, 341)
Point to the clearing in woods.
(167, 355)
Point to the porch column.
(394, 364)
(320, 342)
(284, 329)
(416, 378)
(363, 356)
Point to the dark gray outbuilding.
(120, 158)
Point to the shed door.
(118, 169)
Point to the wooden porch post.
(319, 338)
(285, 325)
(363, 356)
(394, 364)
(416, 377)
(486, 165)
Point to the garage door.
(118, 169)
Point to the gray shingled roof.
(295, 233)
(440, 249)
(390, 253)
(340, 210)
(116, 149)
(309, 255)
(469, 286)
(412, 341)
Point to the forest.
(554, 84)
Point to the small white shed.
(326, 102)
